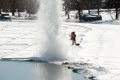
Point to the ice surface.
(99, 46)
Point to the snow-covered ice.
(99, 45)
(16, 38)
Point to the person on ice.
(73, 38)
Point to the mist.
(49, 22)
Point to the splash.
(49, 23)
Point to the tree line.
(81, 5)
(30, 6)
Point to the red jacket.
(73, 36)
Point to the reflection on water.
(52, 72)
(11, 70)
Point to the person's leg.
(72, 42)
(75, 42)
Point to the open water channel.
(24, 70)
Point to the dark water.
(13, 70)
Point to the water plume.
(49, 23)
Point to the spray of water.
(49, 23)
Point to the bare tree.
(31, 6)
(114, 4)
(73, 5)
(87, 5)
(98, 6)
(0, 6)
(116, 8)
(67, 6)
(13, 6)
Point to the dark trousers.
(73, 42)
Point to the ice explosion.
(48, 24)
